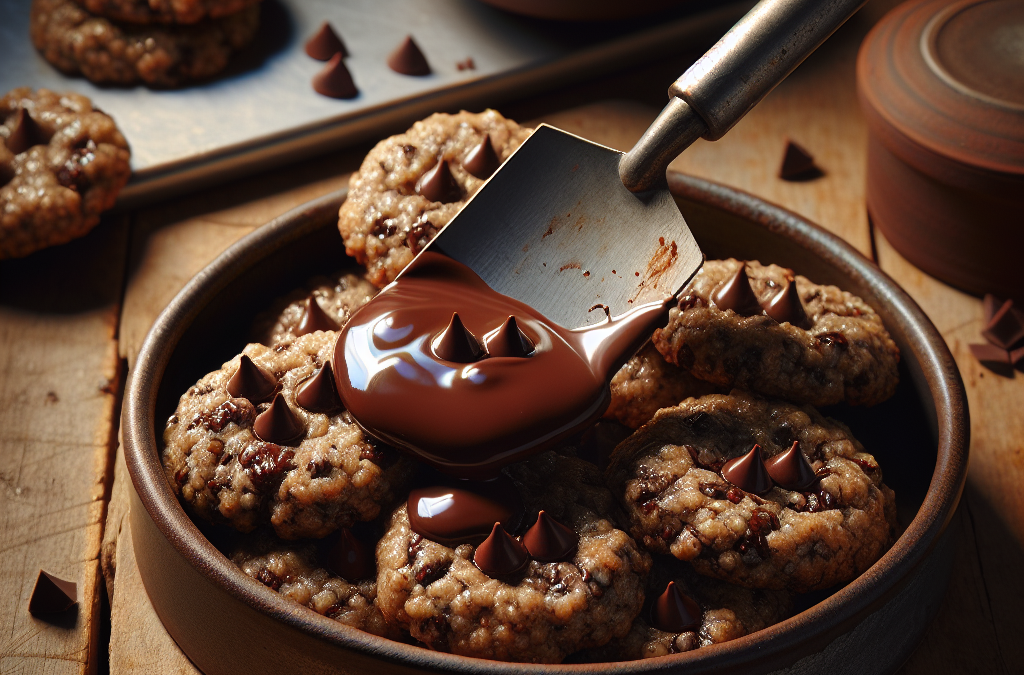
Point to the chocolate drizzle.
(509, 340)
(350, 558)
(500, 555)
(786, 307)
(457, 344)
(251, 382)
(319, 394)
(748, 472)
(408, 59)
(464, 511)
(52, 595)
(278, 424)
(482, 160)
(791, 470)
(25, 134)
(334, 80)
(438, 184)
(325, 44)
(737, 295)
(674, 612)
(314, 318)
(550, 541)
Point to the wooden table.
(73, 318)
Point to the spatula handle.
(756, 54)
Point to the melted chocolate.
(278, 424)
(737, 295)
(500, 555)
(251, 382)
(509, 340)
(25, 134)
(456, 343)
(438, 184)
(350, 558)
(319, 394)
(748, 472)
(470, 420)
(791, 470)
(325, 44)
(314, 318)
(463, 512)
(550, 541)
(786, 307)
(408, 59)
(674, 612)
(482, 160)
(334, 80)
(52, 595)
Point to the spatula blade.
(555, 228)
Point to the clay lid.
(948, 78)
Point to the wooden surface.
(69, 315)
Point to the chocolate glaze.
(278, 424)
(314, 319)
(463, 512)
(319, 393)
(350, 558)
(786, 307)
(251, 382)
(325, 44)
(408, 59)
(438, 184)
(456, 343)
(737, 295)
(548, 540)
(482, 160)
(470, 420)
(52, 595)
(509, 340)
(674, 612)
(25, 134)
(790, 469)
(500, 555)
(748, 472)
(334, 80)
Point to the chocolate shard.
(798, 164)
(438, 184)
(786, 307)
(320, 393)
(1006, 327)
(25, 134)
(350, 558)
(675, 612)
(408, 59)
(550, 541)
(334, 80)
(52, 595)
(314, 318)
(482, 160)
(510, 340)
(325, 44)
(736, 294)
(278, 424)
(790, 469)
(987, 353)
(465, 512)
(251, 382)
(457, 344)
(748, 472)
(500, 555)
(991, 305)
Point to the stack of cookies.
(161, 43)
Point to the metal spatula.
(567, 225)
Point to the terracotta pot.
(228, 623)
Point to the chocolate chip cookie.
(412, 184)
(763, 329)
(164, 11)
(62, 162)
(818, 519)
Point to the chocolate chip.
(325, 44)
(251, 382)
(548, 540)
(466, 64)
(264, 463)
(350, 558)
(319, 394)
(457, 344)
(674, 612)
(438, 184)
(689, 301)
(52, 595)
(833, 339)
(748, 472)
(408, 59)
(419, 236)
(268, 579)
(235, 410)
(72, 173)
(791, 470)
(25, 134)
(314, 318)
(510, 341)
(278, 424)
(737, 295)
(482, 160)
(785, 307)
(500, 555)
(334, 80)
(798, 164)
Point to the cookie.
(828, 529)
(246, 448)
(397, 202)
(336, 299)
(164, 11)
(540, 614)
(822, 347)
(62, 162)
(109, 52)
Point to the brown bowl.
(228, 623)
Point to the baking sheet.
(263, 111)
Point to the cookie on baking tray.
(410, 186)
(164, 11)
(62, 162)
(326, 303)
(758, 492)
(761, 328)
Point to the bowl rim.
(812, 628)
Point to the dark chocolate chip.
(350, 558)
(737, 295)
(833, 339)
(251, 382)
(25, 134)
(1006, 327)
(464, 513)
(438, 184)
(509, 340)
(457, 344)
(278, 424)
(500, 555)
(314, 318)
(748, 472)
(482, 160)
(798, 164)
(264, 463)
(334, 80)
(52, 595)
(550, 541)
(408, 59)
(786, 307)
(319, 394)
(674, 612)
(234, 410)
(325, 44)
(791, 470)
